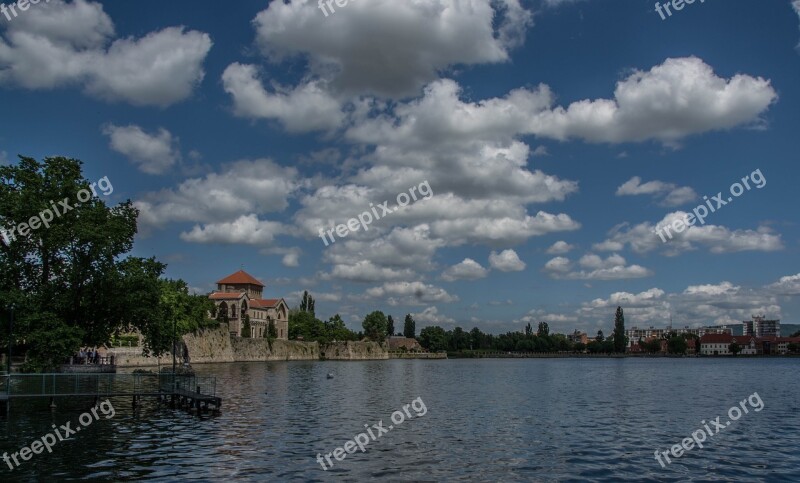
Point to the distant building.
(635, 334)
(238, 295)
(407, 343)
(761, 327)
(719, 344)
(578, 336)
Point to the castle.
(239, 295)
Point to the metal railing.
(58, 384)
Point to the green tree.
(65, 261)
(375, 326)
(735, 348)
(307, 304)
(677, 345)
(247, 332)
(600, 337)
(389, 326)
(409, 327)
(528, 330)
(620, 339)
(543, 330)
(272, 331)
(652, 346)
(433, 338)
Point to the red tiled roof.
(264, 303)
(716, 339)
(239, 278)
(226, 295)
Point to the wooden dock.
(194, 393)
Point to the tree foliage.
(307, 304)
(410, 327)
(71, 279)
(389, 326)
(305, 325)
(375, 325)
(619, 337)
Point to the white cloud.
(241, 188)
(506, 261)
(410, 293)
(71, 44)
(391, 48)
(540, 151)
(4, 159)
(468, 269)
(248, 230)
(796, 6)
(788, 285)
(642, 238)
(151, 153)
(307, 107)
(669, 102)
(431, 316)
(670, 194)
(559, 248)
(367, 271)
(613, 267)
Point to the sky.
(546, 141)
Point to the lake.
(484, 420)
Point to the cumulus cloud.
(247, 230)
(431, 316)
(669, 194)
(673, 100)
(241, 188)
(410, 293)
(594, 267)
(66, 44)
(788, 285)
(796, 6)
(559, 248)
(468, 269)
(391, 48)
(643, 238)
(307, 107)
(506, 261)
(151, 153)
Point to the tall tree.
(247, 331)
(620, 339)
(64, 259)
(375, 326)
(543, 330)
(389, 326)
(600, 337)
(409, 327)
(307, 304)
(433, 338)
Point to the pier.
(193, 393)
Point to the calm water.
(487, 420)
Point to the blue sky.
(555, 136)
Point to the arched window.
(233, 311)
